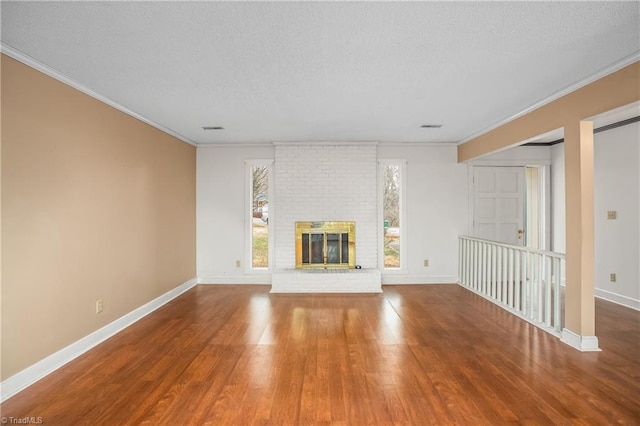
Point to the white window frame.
(402, 164)
(248, 258)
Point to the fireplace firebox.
(328, 245)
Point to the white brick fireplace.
(326, 182)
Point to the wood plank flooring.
(414, 355)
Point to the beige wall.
(95, 205)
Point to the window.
(259, 177)
(392, 189)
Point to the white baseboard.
(20, 381)
(392, 279)
(237, 279)
(581, 343)
(618, 299)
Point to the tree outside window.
(391, 213)
(260, 217)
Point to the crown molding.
(45, 69)
(417, 144)
(616, 66)
(322, 143)
(235, 145)
(325, 143)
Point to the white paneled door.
(498, 204)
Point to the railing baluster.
(529, 282)
(498, 270)
(547, 288)
(484, 267)
(509, 280)
(466, 262)
(460, 260)
(557, 296)
(474, 259)
(477, 262)
(530, 286)
(496, 288)
(465, 245)
(505, 275)
(488, 265)
(540, 289)
(463, 275)
(490, 248)
(509, 289)
(473, 264)
(534, 285)
(505, 281)
(492, 280)
(517, 283)
(480, 265)
(539, 294)
(467, 266)
(523, 282)
(469, 262)
(494, 262)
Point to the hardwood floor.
(414, 355)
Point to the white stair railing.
(522, 280)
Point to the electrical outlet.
(612, 278)
(612, 215)
(426, 263)
(98, 306)
(237, 263)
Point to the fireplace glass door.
(325, 245)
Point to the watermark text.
(26, 420)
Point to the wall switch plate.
(98, 306)
(612, 214)
(612, 278)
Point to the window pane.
(391, 211)
(260, 217)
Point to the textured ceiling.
(324, 71)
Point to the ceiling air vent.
(431, 126)
(212, 128)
